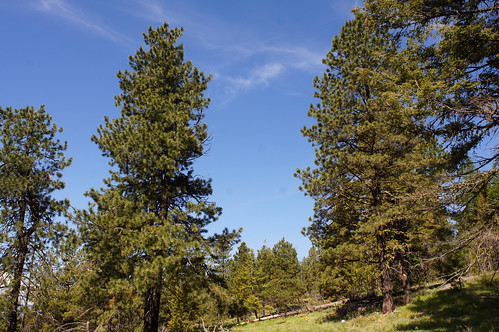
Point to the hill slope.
(475, 307)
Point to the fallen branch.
(297, 312)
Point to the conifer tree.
(455, 42)
(223, 244)
(31, 162)
(264, 266)
(372, 158)
(478, 224)
(243, 282)
(311, 273)
(148, 223)
(279, 276)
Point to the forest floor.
(472, 307)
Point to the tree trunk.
(387, 290)
(152, 307)
(405, 281)
(386, 280)
(16, 282)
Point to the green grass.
(473, 308)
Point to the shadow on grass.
(353, 308)
(362, 306)
(474, 308)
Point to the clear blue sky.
(262, 54)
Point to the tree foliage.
(148, 224)
(373, 158)
(56, 299)
(280, 287)
(405, 184)
(243, 282)
(31, 162)
(455, 43)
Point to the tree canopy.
(148, 223)
(31, 164)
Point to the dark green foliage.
(31, 162)
(477, 229)
(147, 226)
(311, 272)
(456, 44)
(279, 271)
(267, 284)
(222, 247)
(265, 265)
(373, 159)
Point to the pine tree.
(279, 272)
(477, 226)
(148, 223)
(311, 273)
(219, 302)
(31, 162)
(222, 247)
(243, 282)
(264, 266)
(455, 42)
(373, 158)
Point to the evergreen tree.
(455, 42)
(311, 273)
(285, 284)
(373, 159)
(280, 286)
(148, 223)
(31, 162)
(188, 297)
(218, 304)
(223, 245)
(243, 282)
(477, 226)
(265, 264)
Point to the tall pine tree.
(372, 160)
(31, 162)
(149, 222)
(455, 42)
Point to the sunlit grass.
(473, 308)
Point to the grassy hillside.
(475, 307)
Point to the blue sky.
(263, 56)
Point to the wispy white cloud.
(63, 9)
(151, 11)
(207, 30)
(231, 42)
(228, 45)
(231, 47)
(259, 76)
(297, 57)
